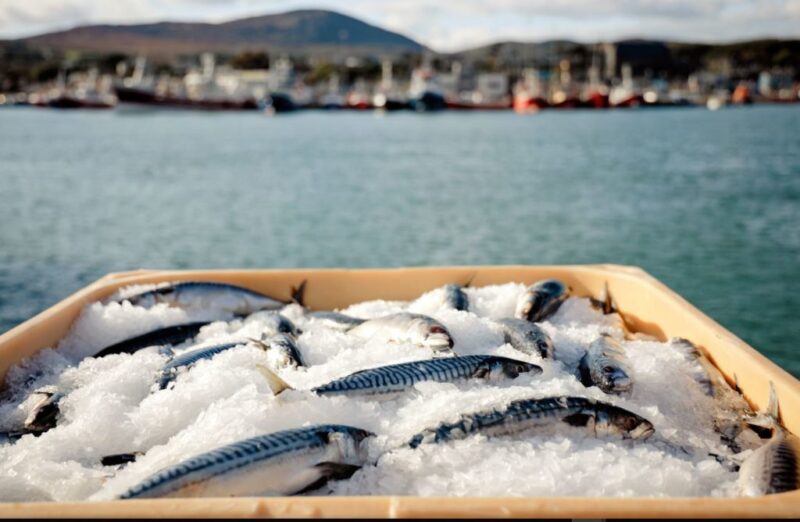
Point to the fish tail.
(298, 293)
(470, 280)
(277, 384)
(767, 419)
(772, 404)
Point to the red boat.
(634, 100)
(597, 100)
(144, 97)
(525, 103)
(570, 102)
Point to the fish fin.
(469, 281)
(261, 344)
(337, 470)
(736, 384)
(298, 293)
(277, 384)
(608, 301)
(765, 423)
(578, 419)
(10, 436)
(120, 458)
(772, 404)
(481, 373)
(328, 471)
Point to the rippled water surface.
(708, 202)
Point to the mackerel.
(282, 463)
(527, 337)
(592, 417)
(541, 300)
(169, 336)
(733, 414)
(775, 466)
(392, 380)
(207, 294)
(282, 351)
(603, 365)
(407, 327)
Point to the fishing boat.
(69, 101)
(201, 89)
(149, 98)
(424, 94)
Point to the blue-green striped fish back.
(186, 359)
(401, 377)
(237, 455)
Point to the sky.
(449, 26)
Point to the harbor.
(422, 83)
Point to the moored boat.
(146, 97)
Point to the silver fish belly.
(413, 328)
(603, 365)
(772, 468)
(281, 463)
(389, 381)
(205, 294)
(593, 417)
(541, 300)
(527, 337)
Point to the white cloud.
(451, 25)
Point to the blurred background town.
(322, 59)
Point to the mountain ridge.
(312, 29)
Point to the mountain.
(315, 31)
(644, 56)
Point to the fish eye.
(608, 369)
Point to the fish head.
(551, 287)
(437, 338)
(44, 414)
(511, 369)
(613, 378)
(285, 326)
(529, 306)
(544, 344)
(349, 441)
(611, 420)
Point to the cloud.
(451, 25)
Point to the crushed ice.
(111, 406)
